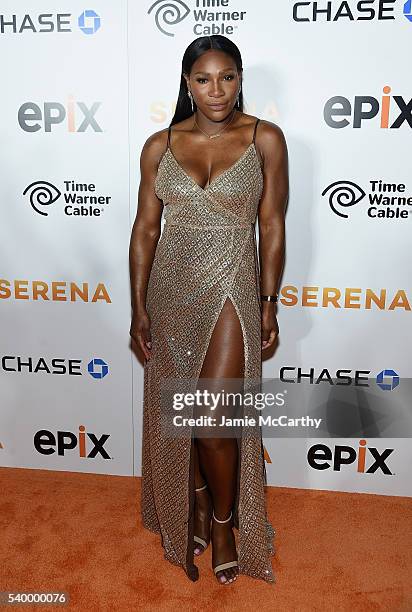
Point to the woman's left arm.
(271, 215)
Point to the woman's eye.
(201, 79)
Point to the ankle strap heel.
(225, 521)
(228, 564)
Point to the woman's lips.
(217, 106)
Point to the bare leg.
(218, 457)
(199, 478)
(203, 506)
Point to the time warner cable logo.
(384, 199)
(168, 13)
(80, 198)
(42, 193)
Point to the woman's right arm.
(145, 234)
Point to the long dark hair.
(196, 48)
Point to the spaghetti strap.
(168, 137)
(254, 131)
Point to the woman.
(200, 311)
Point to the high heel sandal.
(228, 564)
(197, 539)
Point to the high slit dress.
(206, 254)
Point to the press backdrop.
(82, 90)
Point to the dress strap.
(254, 131)
(168, 137)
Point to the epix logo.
(87, 445)
(366, 108)
(368, 460)
(76, 116)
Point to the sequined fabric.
(206, 254)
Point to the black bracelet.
(270, 298)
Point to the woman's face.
(213, 81)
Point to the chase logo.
(407, 10)
(167, 13)
(97, 368)
(45, 23)
(89, 22)
(387, 380)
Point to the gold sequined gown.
(206, 254)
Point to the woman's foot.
(224, 549)
(203, 514)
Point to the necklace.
(218, 133)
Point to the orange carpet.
(82, 534)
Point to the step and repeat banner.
(83, 88)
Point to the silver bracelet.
(270, 298)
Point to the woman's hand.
(140, 332)
(270, 328)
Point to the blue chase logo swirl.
(42, 193)
(407, 10)
(168, 13)
(343, 194)
(387, 380)
(89, 22)
(97, 368)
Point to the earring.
(237, 99)
(189, 93)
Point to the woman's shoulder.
(154, 146)
(270, 131)
(270, 139)
(157, 139)
(271, 142)
(266, 130)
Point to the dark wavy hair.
(196, 48)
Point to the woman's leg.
(218, 457)
(203, 505)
